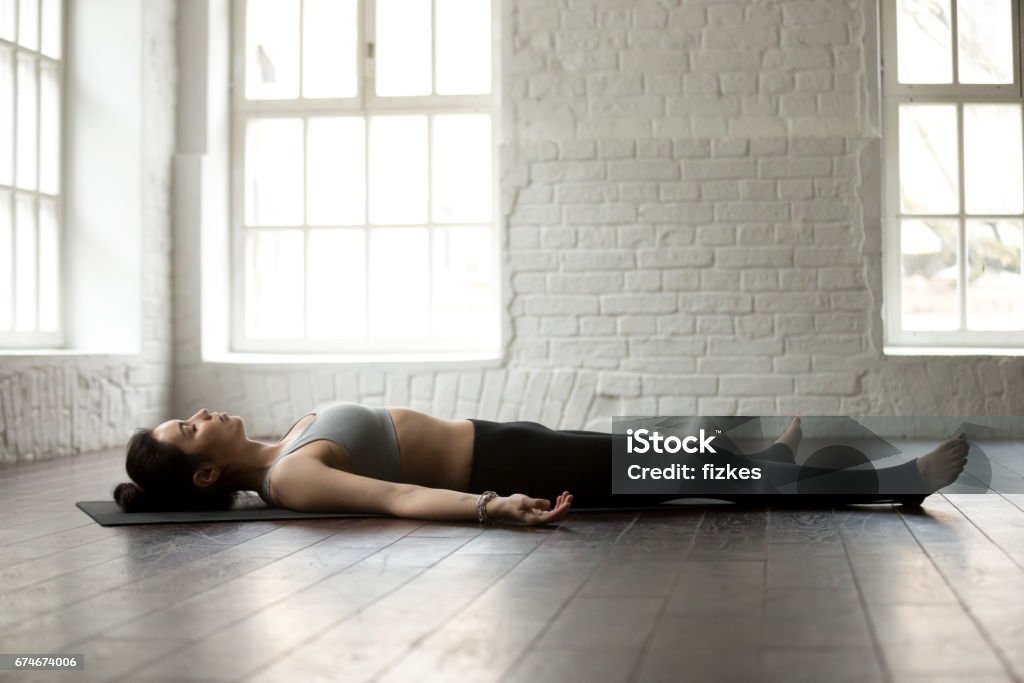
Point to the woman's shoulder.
(292, 467)
(312, 456)
(310, 482)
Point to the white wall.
(120, 140)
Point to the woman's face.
(213, 434)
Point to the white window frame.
(25, 339)
(894, 94)
(365, 104)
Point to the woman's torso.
(433, 452)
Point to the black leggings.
(540, 462)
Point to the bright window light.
(31, 96)
(954, 140)
(364, 177)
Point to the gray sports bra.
(368, 434)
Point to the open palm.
(538, 510)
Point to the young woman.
(347, 457)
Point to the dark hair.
(162, 479)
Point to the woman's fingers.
(541, 510)
(560, 510)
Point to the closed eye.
(181, 426)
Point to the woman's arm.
(420, 502)
(309, 486)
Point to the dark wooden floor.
(708, 593)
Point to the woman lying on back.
(347, 457)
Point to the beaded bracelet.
(481, 505)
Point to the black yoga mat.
(107, 513)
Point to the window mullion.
(237, 241)
(237, 153)
(368, 54)
(1015, 17)
(955, 42)
(36, 203)
(12, 299)
(366, 226)
(14, 169)
(962, 222)
(895, 251)
(239, 64)
(361, 41)
(12, 195)
(302, 48)
(305, 222)
(430, 223)
(433, 47)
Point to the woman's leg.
(527, 457)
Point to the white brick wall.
(689, 193)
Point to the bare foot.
(942, 466)
(791, 437)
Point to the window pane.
(995, 289)
(403, 51)
(273, 172)
(27, 121)
(273, 284)
(6, 116)
(336, 168)
(992, 158)
(25, 265)
(398, 169)
(985, 41)
(928, 159)
(399, 285)
(463, 47)
(329, 48)
(924, 41)
(49, 129)
(51, 28)
(272, 49)
(49, 266)
(7, 19)
(462, 168)
(336, 296)
(6, 262)
(28, 23)
(929, 273)
(463, 286)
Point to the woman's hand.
(534, 510)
